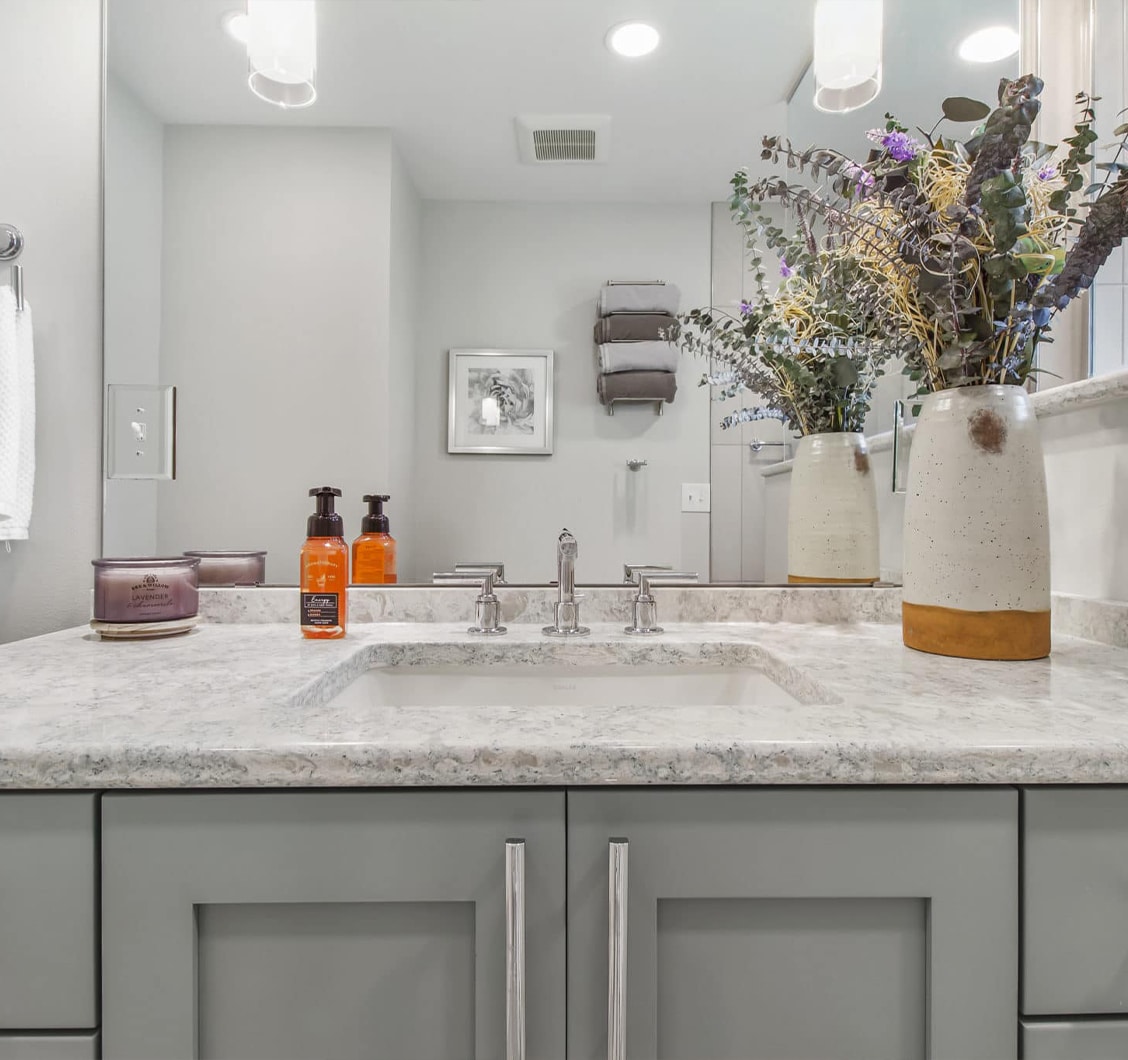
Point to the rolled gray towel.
(639, 298)
(634, 327)
(637, 357)
(640, 386)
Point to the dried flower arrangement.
(953, 255)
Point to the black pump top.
(375, 522)
(325, 522)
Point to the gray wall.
(520, 275)
(50, 186)
(275, 329)
(1110, 292)
(133, 203)
(405, 306)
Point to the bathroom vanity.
(237, 844)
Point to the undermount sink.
(552, 685)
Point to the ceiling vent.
(563, 137)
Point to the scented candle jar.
(146, 590)
(231, 568)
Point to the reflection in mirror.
(301, 274)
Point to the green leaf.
(1121, 130)
(960, 108)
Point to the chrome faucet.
(487, 610)
(644, 608)
(566, 610)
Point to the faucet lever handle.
(487, 609)
(644, 610)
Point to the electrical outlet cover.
(695, 497)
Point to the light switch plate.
(695, 497)
(140, 431)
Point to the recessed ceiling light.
(632, 39)
(989, 45)
(235, 24)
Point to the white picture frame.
(500, 402)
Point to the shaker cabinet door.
(1075, 948)
(48, 912)
(333, 925)
(791, 924)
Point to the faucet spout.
(567, 549)
(566, 610)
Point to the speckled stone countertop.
(251, 706)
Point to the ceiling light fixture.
(989, 45)
(235, 25)
(632, 39)
(282, 51)
(847, 53)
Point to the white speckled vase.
(832, 514)
(977, 539)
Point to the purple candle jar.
(231, 568)
(145, 590)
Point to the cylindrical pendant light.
(282, 51)
(847, 53)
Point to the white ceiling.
(449, 76)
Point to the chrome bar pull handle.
(515, 949)
(617, 950)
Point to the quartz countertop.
(250, 706)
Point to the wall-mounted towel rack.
(11, 247)
(658, 403)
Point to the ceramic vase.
(977, 540)
(832, 513)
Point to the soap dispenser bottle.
(374, 552)
(324, 570)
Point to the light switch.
(695, 497)
(141, 431)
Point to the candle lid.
(140, 562)
(224, 554)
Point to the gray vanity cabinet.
(48, 1047)
(48, 913)
(790, 924)
(268, 926)
(1075, 1040)
(1075, 953)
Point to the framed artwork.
(500, 402)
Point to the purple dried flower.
(1047, 172)
(745, 309)
(900, 145)
(785, 270)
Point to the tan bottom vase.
(832, 513)
(977, 542)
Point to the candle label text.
(150, 594)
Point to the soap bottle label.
(320, 609)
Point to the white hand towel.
(638, 357)
(639, 298)
(17, 418)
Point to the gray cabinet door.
(48, 1047)
(1075, 1040)
(1076, 901)
(791, 924)
(268, 926)
(48, 911)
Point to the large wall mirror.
(300, 275)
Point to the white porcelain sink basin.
(551, 685)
